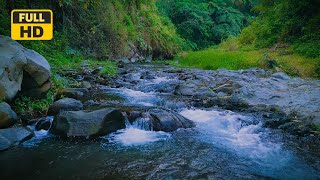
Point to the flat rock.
(75, 93)
(65, 104)
(14, 136)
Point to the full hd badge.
(31, 24)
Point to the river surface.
(223, 145)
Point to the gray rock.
(65, 104)
(11, 67)
(37, 67)
(85, 84)
(7, 116)
(185, 90)
(22, 70)
(225, 88)
(14, 136)
(194, 88)
(168, 121)
(281, 75)
(87, 124)
(75, 93)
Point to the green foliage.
(286, 21)
(4, 19)
(109, 67)
(308, 48)
(111, 28)
(24, 105)
(106, 29)
(315, 127)
(206, 22)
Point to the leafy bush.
(23, 105)
(308, 48)
(286, 21)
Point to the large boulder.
(167, 120)
(65, 104)
(14, 136)
(12, 62)
(22, 69)
(36, 77)
(85, 124)
(7, 116)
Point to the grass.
(214, 58)
(109, 67)
(297, 65)
(231, 57)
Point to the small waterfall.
(138, 133)
(38, 135)
(143, 123)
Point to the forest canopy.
(207, 22)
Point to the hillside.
(102, 29)
(284, 36)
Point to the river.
(224, 144)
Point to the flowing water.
(223, 145)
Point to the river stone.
(75, 93)
(7, 116)
(65, 104)
(86, 84)
(86, 124)
(168, 121)
(44, 123)
(14, 136)
(225, 88)
(22, 70)
(185, 89)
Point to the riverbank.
(225, 56)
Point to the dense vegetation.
(207, 22)
(285, 35)
(295, 23)
(105, 29)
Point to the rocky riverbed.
(159, 121)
